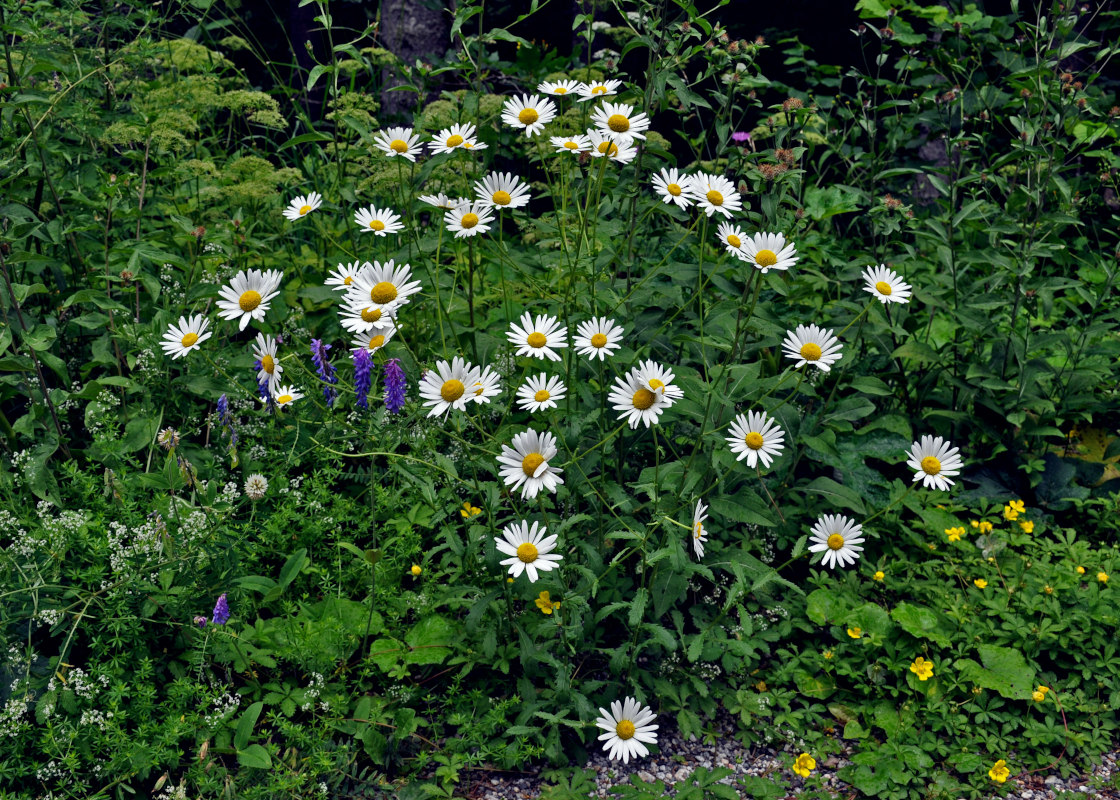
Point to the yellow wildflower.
(804, 765)
(1028, 527)
(922, 668)
(1081, 570)
(416, 570)
(981, 583)
(878, 576)
(975, 523)
(985, 527)
(954, 534)
(1039, 694)
(468, 511)
(999, 772)
(855, 633)
(1102, 577)
(546, 604)
(827, 655)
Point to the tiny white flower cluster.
(95, 717)
(226, 704)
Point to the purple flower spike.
(221, 611)
(394, 385)
(325, 369)
(200, 621)
(363, 378)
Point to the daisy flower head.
(934, 462)
(383, 286)
(486, 386)
(769, 251)
(398, 142)
(361, 316)
(659, 379)
(502, 189)
(886, 285)
(598, 338)
(530, 112)
(381, 221)
(540, 392)
(616, 148)
(628, 729)
(286, 395)
(571, 144)
(838, 538)
(810, 344)
(186, 336)
(443, 201)
(619, 119)
(733, 238)
(526, 465)
(593, 91)
(558, 88)
(303, 205)
(374, 340)
(714, 193)
(446, 386)
(457, 137)
(674, 187)
(528, 548)
(344, 275)
(756, 437)
(699, 532)
(537, 337)
(469, 220)
(248, 295)
(264, 351)
(632, 396)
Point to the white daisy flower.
(598, 338)
(382, 285)
(186, 336)
(559, 88)
(443, 201)
(632, 396)
(756, 437)
(537, 337)
(628, 729)
(714, 193)
(530, 112)
(571, 144)
(248, 295)
(445, 387)
(699, 532)
(733, 238)
(264, 351)
(809, 344)
(886, 285)
(540, 392)
(469, 220)
(593, 91)
(374, 340)
(451, 139)
(302, 206)
(839, 538)
(398, 142)
(659, 379)
(526, 464)
(381, 221)
(619, 119)
(673, 186)
(360, 316)
(616, 148)
(933, 461)
(529, 549)
(769, 251)
(342, 277)
(286, 395)
(486, 386)
(502, 189)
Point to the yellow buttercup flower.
(1012, 510)
(416, 570)
(855, 633)
(954, 534)
(1039, 694)
(1081, 570)
(468, 511)
(981, 583)
(827, 655)
(1102, 577)
(922, 668)
(1028, 527)
(985, 527)
(878, 576)
(804, 765)
(975, 523)
(999, 771)
(545, 604)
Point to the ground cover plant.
(605, 389)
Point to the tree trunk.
(411, 29)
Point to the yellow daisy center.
(452, 390)
(528, 116)
(754, 440)
(383, 292)
(599, 340)
(398, 146)
(284, 399)
(527, 552)
(467, 145)
(571, 145)
(931, 466)
(699, 529)
(600, 89)
(304, 210)
(765, 258)
(268, 363)
(643, 399)
(624, 729)
(609, 148)
(376, 342)
(542, 395)
(618, 123)
(715, 198)
(189, 339)
(377, 224)
(810, 351)
(371, 314)
(536, 339)
(882, 287)
(835, 541)
(469, 220)
(674, 189)
(454, 141)
(734, 240)
(559, 90)
(348, 280)
(656, 384)
(531, 463)
(249, 300)
(501, 198)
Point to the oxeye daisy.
(628, 729)
(886, 285)
(530, 112)
(303, 205)
(571, 144)
(286, 395)
(529, 549)
(756, 437)
(598, 338)
(264, 351)
(342, 277)
(632, 396)
(733, 238)
(454, 138)
(362, 316)
(502, 189)
(445, 387)
(374, 340)
(659, 379)
(934, 461)
(398, 142)
(616, 148)
(593, 91)
(381, 221)
(383, 285)
(838, 538)
(699, 532)
(769, 251)
(526, 463)
(540, 392)
(486, 386)
(186, 336)
(673, 187)
(469, 220)
(537, 337)
(558, 88)
(714, 193)
(248, 295)
(619, 119)
(443, 201)
(810, 344)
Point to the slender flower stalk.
(325, 369)
(395, 385)
(363, 379)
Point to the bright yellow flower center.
(618, 123)
(699, 528)
(377, 225)
(527, 552)
(531, 463)
(931, 466)
(541, 396)
(624, 729)
(734, 240)
(268, 364)
(189, 339)
(501, 198)
(376, 342)
(454, 141)
(469, 220)
(348, 280)
(571, 145)
(536, 339)
(754, 440)
(609, 148)
(452, 390)
(559, 90)
(810, 351)
(371, 314)
(643, 399)
(715, 198)
(765, 258)
(599, 340)
(383, 292)
(284, 398)
(528, 116)
(656, 384)
(304, 210)
(882, 287)
(398, 146)
(673, 189)
(835, 541)
(600, 89)
(249, 300)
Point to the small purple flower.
(740, 136)
(363, 378)
(325, 369)
(200, 622)
(223, 410)
(394, 385)
(221, 611)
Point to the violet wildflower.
(325, 369)
(221, 611)
(262, 386)
(200, 621)
(223, 410)
(363, 378)
(740, 136)
(394, 385)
